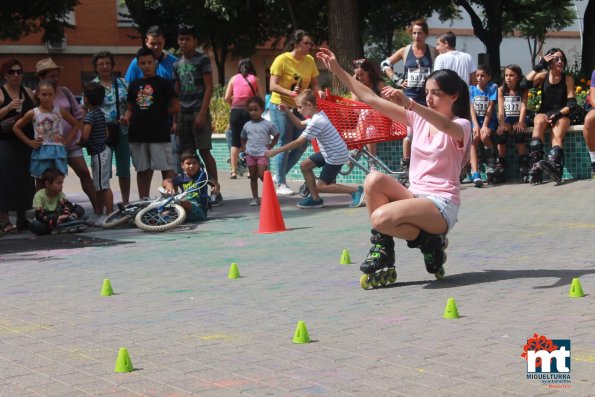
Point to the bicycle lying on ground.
(154, 215)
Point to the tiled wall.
(577, 163)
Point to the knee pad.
(519, 137)
(78, 210)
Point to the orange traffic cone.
(271, 218)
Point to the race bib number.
(480, 104)
(512, 106)
(416, 77)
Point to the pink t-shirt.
(242, 91)
(65, 100)
(436, 161)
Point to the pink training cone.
(271, 218)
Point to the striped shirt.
(96, 142)
(333, 148)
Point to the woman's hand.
(397, 96)
(329, 59)
(15, 104)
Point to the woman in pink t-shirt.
(425, 212)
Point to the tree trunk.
(588, 52)
(345, 35)
(220, 58)
(491, 34)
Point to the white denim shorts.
(447, 208)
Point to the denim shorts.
(447, 208)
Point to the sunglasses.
(358, 62)
(557, 59)
(14, 72)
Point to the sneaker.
(309, 202)
(216, 199)
(476, 178)
(284, 190)
(100, 220)
(254, 202)
(91, 219)
(275, 180)
(357, 198)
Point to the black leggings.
(237, 119)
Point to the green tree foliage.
(383, 17)
(230, 27)
(550, 15)
(496, 17)
(21, 18)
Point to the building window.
(124, 21)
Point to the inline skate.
(553, 166)
(433, 247)
(379, 266)
(535, 157)
(524, 168)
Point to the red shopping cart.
(359, 124)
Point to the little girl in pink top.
(425, 212)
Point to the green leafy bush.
(219, 110)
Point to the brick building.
(98, 27)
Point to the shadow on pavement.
(564, 277)
(30, 242)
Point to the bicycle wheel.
(116, 218)
(156, 220)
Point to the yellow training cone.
(301, 333)
(107, 290)
(576, 290)
(451, 310)
(345, 258)
(123, 362)
(233, 271)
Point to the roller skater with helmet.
(423, 213)
(557, 102)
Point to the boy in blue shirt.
(484, 119)
(196, 204)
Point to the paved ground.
(191, 330)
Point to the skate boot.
(554, 165)
(535, 156)
(71, 226)
(432, 246)
(379, 266)
(524, 168)
(490, 160)
(499, 175)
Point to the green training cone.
(576, 290)
(301, 333)
(123, 362)
(451, 310)
(107, 290)
(345, 258)
(233, 271)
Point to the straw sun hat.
(45, 64)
